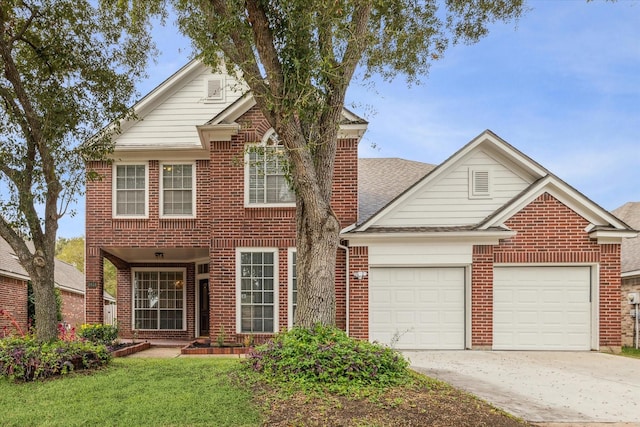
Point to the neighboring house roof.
(380, 180)
(441, 200)
(67, 277)
(630, 213)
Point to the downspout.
(346, 275)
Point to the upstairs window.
(130, 190)
(265, 173)
(178, 190)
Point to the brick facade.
(13, 300)
(548, 232)
(629, 284)
(72, 308)
(223, 224)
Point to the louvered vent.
(479, 185)
(214, 89)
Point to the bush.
(26, 359)
(327, 357)
(99, 334)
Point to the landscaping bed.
(125, 349)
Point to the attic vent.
(479, 184)
(214, 90)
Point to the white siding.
(416, 254)
(174, 121)
(446, 202)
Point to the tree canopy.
(67, 68)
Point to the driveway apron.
(549, 387)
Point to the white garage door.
(542, 308)
(419, 308)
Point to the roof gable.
(167, 117)
(442, 198)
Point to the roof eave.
(612, 236)
(492, 237)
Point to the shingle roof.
(380, 180)
(630, 213)
(66, 275)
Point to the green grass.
(134, 392)
(631, 352)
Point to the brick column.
(94, 304)
(358, 293)
(482, 298)
(610, 286)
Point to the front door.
(204, 307)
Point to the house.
(630, 267)
(14, 290)
(488, 250)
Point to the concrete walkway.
(168, 352)
(572, 388)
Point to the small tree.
(67, 68)
(298, 58)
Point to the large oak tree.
(67, 68)
(298, 58)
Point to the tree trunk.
(46, 321)
(317, 245)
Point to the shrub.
(327, 357)
(26, 359)
(99, 334)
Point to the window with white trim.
(130, 190)
(257, 277)
(159, 299)
(479, 184)
(266, 173)
(177, 189)
(293, 286)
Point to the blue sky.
(563, 86)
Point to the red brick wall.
(72, 308)
(359, 293)
(482, 297)
(222, 224)
(629, 284)
(13, 299)
(548, 232)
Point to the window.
(178, 190)
(479, 184)
(257, 291)
(159, 299)
(130, 190)
(266, 179)
(293, 287)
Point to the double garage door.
(535, 308)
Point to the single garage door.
(542, 308)
(417, 308)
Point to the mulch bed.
(413, 405)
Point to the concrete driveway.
(547, 387)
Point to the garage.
(417, 308)
(542, 308)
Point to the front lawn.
(134, 392)
(208, 391)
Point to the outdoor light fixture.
(159, 255)
(360, 275)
